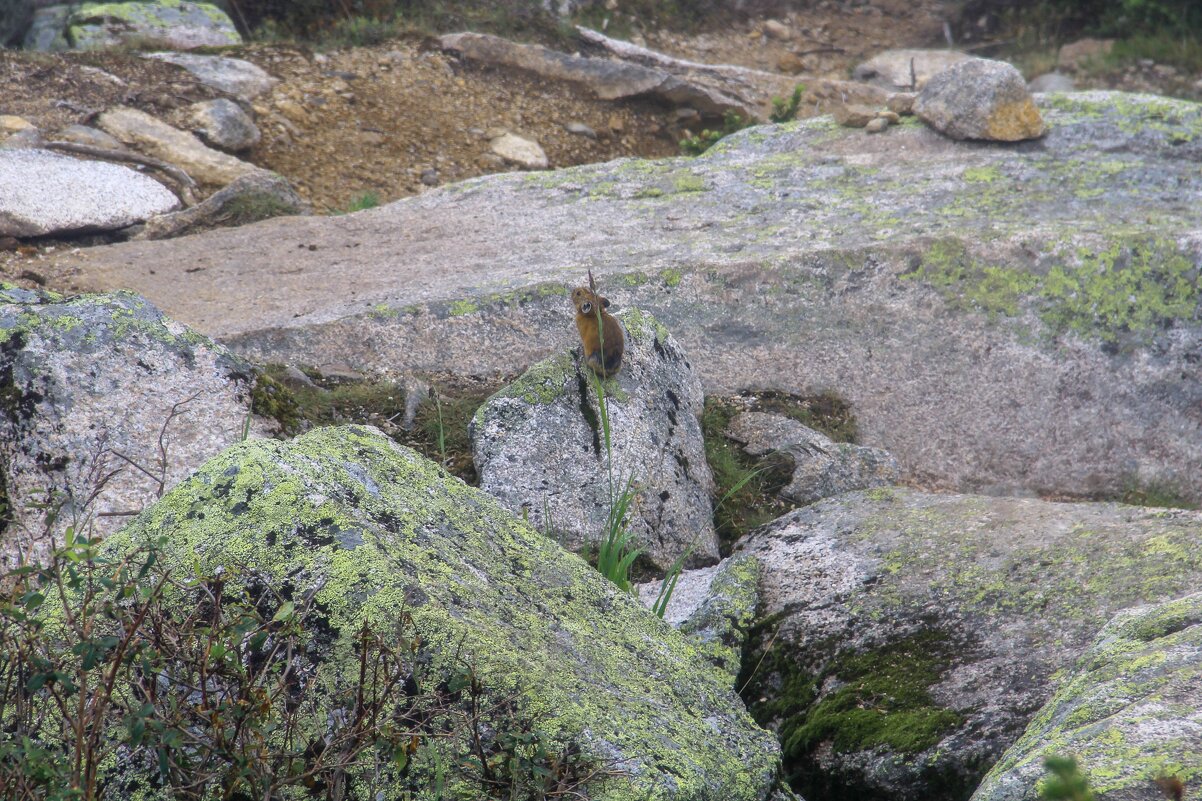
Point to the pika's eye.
(586, 307)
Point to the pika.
(600, 332)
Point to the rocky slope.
(1001, 317)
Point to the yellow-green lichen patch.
(459, 308)
(1126, 709)
(541, 384)
(982, 175)
(376, 532)
(1128, 288)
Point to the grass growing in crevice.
(747, 487)
(438, 430)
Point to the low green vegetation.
(250, 208)
(1066, 782)
(698, 144)
(102, 652)
(438, 430)
(362, 202)
(785, 109)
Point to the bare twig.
(186, 189)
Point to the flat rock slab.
(44, 193)
(912, 637)
(1130, 711)
(945, 289)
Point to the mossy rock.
(177, 24)
(373, 532)
(907, 638)
(1128, 711)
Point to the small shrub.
(1067, 782)
(785, 110)
(363, 202)
(696, 145)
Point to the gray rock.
(519, 150)
(24, 139)
(175, 24)
(233, 76)
(251, 198)
(48, 31)
(580, 129)
(43, 193)
(92, 137)
(714, 607)
(378, 534)
(906, 70)
(942, 288)
(607, 79)
(15, 17)
(97, 385)
(539, 445)
(822, 467)
(162, 141)
(877, 125)
(753, 89)
(222, 124)
(1130, 711)
(1051, 82)
(980, 99)
(930, 628)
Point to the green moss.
(856, 702)
(745, 488)
(440, 430)
(672, 278)
(982, 175)
(460, 308)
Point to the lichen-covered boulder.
(980, 99)
(910, 638)
(1130, 711)
(821, 466)
(373, 533)
(104, 405)
(540, 447)
(177, 24)
(714, 607)
(44, 193)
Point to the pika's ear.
(605, 303)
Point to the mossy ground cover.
(855, 701)
(439, 428)
(746, 487)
